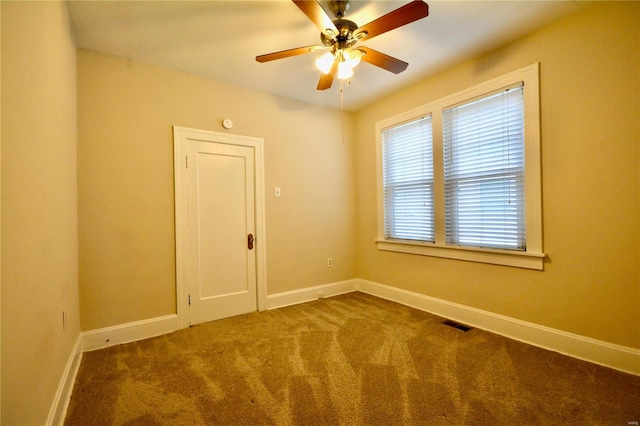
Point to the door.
(221, 232)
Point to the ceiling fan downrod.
(339, 7)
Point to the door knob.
(250, 241)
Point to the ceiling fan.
(340, 36)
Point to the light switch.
(277, 192)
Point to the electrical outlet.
(329, 262)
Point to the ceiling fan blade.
(286, 53)
(404, 15)
(326, 80)
(316, 14)
(383, 61)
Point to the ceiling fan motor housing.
(344, 38)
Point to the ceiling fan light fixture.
(352, 57)
(344, 71)
(325, 62)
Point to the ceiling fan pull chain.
(342, 107)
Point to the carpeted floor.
(348, 360)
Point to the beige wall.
(122, 200)
(125, 165)
(39, 207)
(590, 77)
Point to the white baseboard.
(308, 294)
(130, 332)
(58, 410)
(607, 354)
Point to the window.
(408, 181)
(460, 177)
(483, 142)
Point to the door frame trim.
(180, 136)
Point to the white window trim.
(533, 257)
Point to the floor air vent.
(457, 325)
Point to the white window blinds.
(483, 148)
(407, 167)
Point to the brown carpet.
(348, 360)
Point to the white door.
(221, 267)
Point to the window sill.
(525, 260)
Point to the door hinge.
(189, 300)
(186, 162)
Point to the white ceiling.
(220, 40)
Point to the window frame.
(533, 256)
